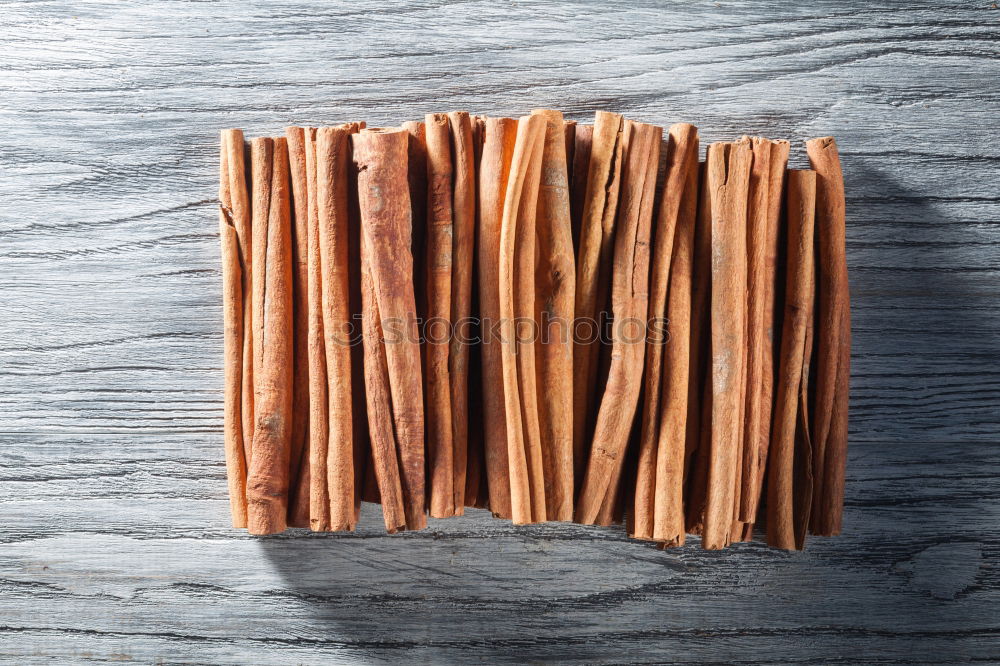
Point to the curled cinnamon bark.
(781, 473)
(267, 482)
(384, 200)
(592, 271)
(766, 194)
(555, 285)
(438, 327)
(232, 310)
(516, 293)
(495, 168)
(332, 205)
(526, 326)
(319, 426)
(669, 525)
(629, 303)
(298, 474)
(384, 448)
(463, 251)
(660, 472)
(240, 212)
(834, 353)
(728, 180)
(699, 417)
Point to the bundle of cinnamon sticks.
(550, 320)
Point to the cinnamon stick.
(495, 168)
(516, 291)
(697, 455)
(359, 420)
(438, 327)
(728, 180)
(332, 205)
(593, 268)
(298, 499)
(232, 317)
(834, 354)
(267, 481)
(240, 212)
(319, 426)
(384, 200)
(384, 447)
(798, 311)
(660, 473)
(526, 333)
(463, 252)
(555, 288)
(767, 185)
(669, 526)
(757, 227)
(629, 304)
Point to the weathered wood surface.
(114, 543)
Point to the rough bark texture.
(629, 305)
(383, 193)
(555, 287)
(498, 151)
(728, 180)
(267, 477)
(784, 483)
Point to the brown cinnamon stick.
(240, 212)
(834, 353)
(267, 481)
(384, 448)
(629, 303)
(438, 328)
(798, 311)
(298, 474)
(669, 525)
(659, 482)
(319, 426)
(525, 252)
(592, 269)
(757, 227)
(728, 180)
(332, 205)
(766, 195)
(699, 417)
(463, 252)
(514, 272)
(555, 289)
(495, 169)
(384, 200)
(232, 311)
(362, 445)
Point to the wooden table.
(114, 544)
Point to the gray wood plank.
(114, 544)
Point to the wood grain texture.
(114, 536)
